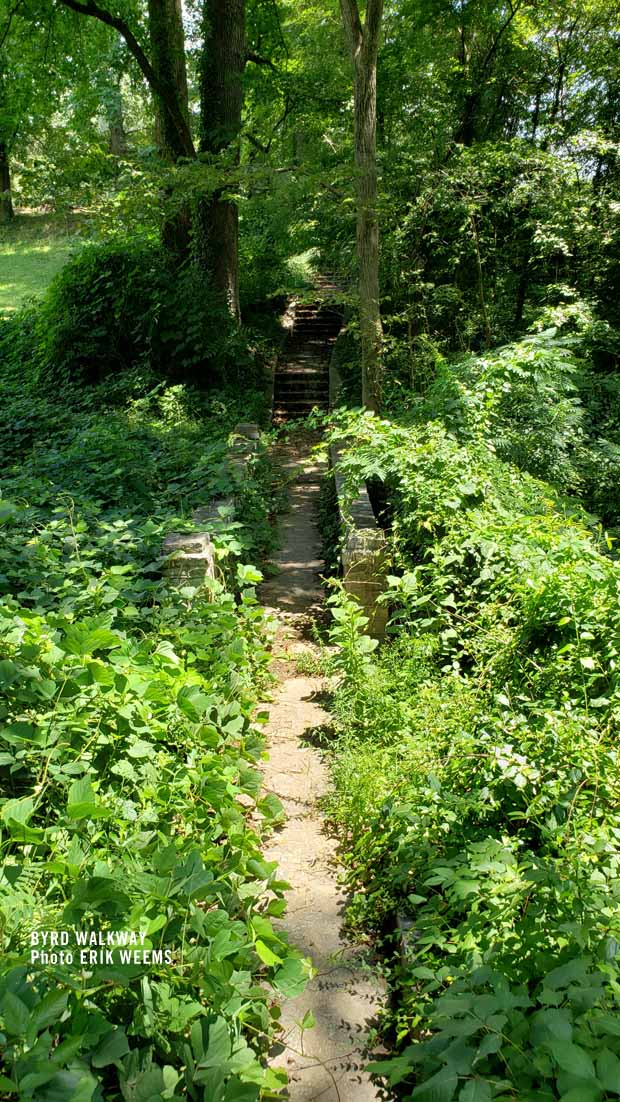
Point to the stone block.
(189, 558)
(250, 431)
(364, 575)
(245, 444)
(364, 555)
(206, 514)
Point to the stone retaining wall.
(189, 557)
(364, 548)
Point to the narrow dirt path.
(327, 1063)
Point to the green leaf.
(8, 511)
(111, 1049)
(608, 1071)
(477, 1090)
(266, 955)
(90, 635)
(573, 1059)
(193, 703)
(292, 977)
(236, 1091)
(15, 1013)
(16, 814)
(439, 1088)
(82, 802)
(219, 1047)
(583, 1093)
(551, 1024)
(49, 1010)
(490, 1044)
(140, 749)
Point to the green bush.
(546, 403)
(477, 779)
(129, 753)
(117, 307)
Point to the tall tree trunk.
(6, 202)
(117, 138)
(363, 42)
(222, 66)
(167, 38)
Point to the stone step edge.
(189, 557)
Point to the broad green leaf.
(266, 955)
(90, 635)
(584, 1093)
(573, 1059)
(608, 1071)
(292, 977)
(439, 1088)
(477, 1090)
(82, 802)
(111, 1049)
(219, 1047)
(49, 1010)
(236, 1091)
(15, 1014)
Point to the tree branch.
(7, 28)
(266, 149)
(495, 43)
(353, 26)
(170, 103)
(372, 26)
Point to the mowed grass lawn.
(32, 250)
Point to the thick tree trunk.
(6, 202)
(221, 102)
(371, 330)
(465, 131)
(167, 38)
(117, 138)
(364, 48)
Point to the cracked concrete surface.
(325, 1063)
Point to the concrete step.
(292, 371)
(302, 386)
(285, 398)
(302, 382)
(297, 409)
(318, 327)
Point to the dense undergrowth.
(129, 753)
(121, 307)
(476, 766)
(547, 403)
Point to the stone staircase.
(302, 377)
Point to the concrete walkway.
(327, 1063)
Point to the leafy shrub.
(546, 403)
(129, 754)
(477, 781)
(115, 307)
(523, 399)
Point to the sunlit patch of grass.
(32, 250)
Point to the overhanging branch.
(169, 102)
